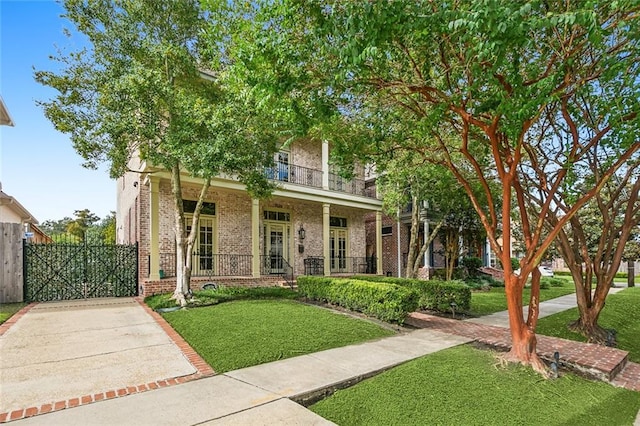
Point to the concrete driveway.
(63, 350)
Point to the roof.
(5, 118)
(13, 204)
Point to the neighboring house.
(11, 211)
(396, 233)
(314, 222)
(5, 117)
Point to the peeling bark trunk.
(523, 337)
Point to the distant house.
(314, 223)
(5, 117)
(11, 211)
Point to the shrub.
(433, 294)
(384, 301)
(458, 273)
(472, 264)
(552, 282)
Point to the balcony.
(300, 175)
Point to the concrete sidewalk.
(263, 394)
(550, 307)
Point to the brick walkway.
(596, 361)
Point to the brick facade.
(232, 221)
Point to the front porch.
(236, 270)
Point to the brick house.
(313, 223)
(395, 236)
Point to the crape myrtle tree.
(152, 82)
(596, 239)
(409, 180)
(484, 72)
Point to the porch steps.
(285, 284)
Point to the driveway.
(63, 350)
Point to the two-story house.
(314, 223)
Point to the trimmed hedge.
(436, 295)
(384, 301)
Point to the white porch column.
(326, 250)
(255, 237)
(379, 243)
(325, 164)
(154, 228)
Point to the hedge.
(435, 295)
(388, 302)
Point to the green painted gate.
(64, 271)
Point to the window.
(277, 216)
(189, 206)
(338, 222)
(387, 230)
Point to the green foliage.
(243, 333)
(466, 386)
(387, 302)
(472, 264)
(552, 282)
(621, 314)
(458, 274)
(433, 294)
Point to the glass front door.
(203, 257)
(338, 248)
(277, 246)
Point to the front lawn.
(240, 334)
(489, 302)
(467, 386)
(621, 312)
(7, 310)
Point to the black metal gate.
(63, 271)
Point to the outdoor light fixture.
(301, 233)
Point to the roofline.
(5, 117)
(8, 200)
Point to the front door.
(338, 247)
(277, 246)
(203, 263)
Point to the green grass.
(223, 294)
(466, 386)
(488, 302)
(8, 309)
(243, 333)
(621, 312)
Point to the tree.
(595, 241)
(153, 81)
(475, 78)
(83, 221)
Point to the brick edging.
(202, 370)
(5, 326)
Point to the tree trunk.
(425, 245)
(413, 239)
(523, 337)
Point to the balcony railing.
(353, 186)
(293, 173)
(209, 265)
(300, 175)
(353, 265)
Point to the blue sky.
(38, 165)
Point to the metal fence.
(62, 271)
(209, 265)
